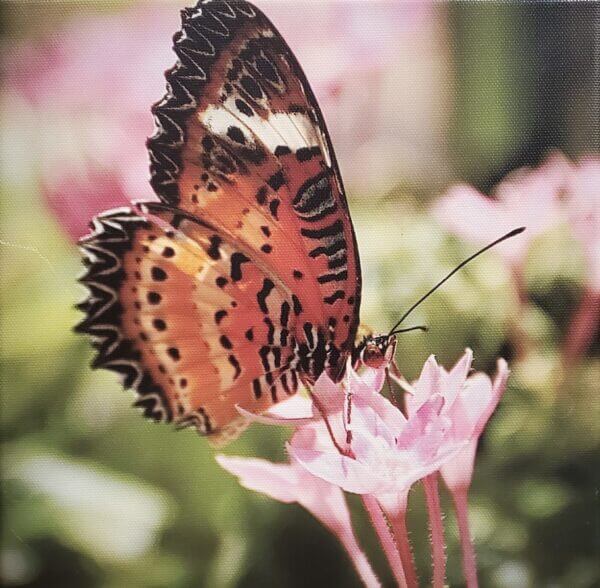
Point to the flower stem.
(468, 552)
(359, 559)
(385, 537)
(403, 544)
(583, 327)
(436, 527)
(520, 338)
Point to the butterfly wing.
(191, 322)
(241, 142)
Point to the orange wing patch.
(193, 325)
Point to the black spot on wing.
(243, 107)
(334, 230)
(237, 259)
(256, 388)
(236, 135)
(214, 251)
(337, 295)
(158, 274)
(296, 304)
(261, 297)
(220, 315)
(273, 207)
(339, 277)
(277, 180)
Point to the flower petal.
(279, 481)
(458, 471)
(455, 379)
(498, 388)
(271, 418)
(292, 483)
(426, 385)
(337, 469)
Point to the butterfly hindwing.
(193, 325)
(241, 143)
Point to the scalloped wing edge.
(103, 249)
(205, 28)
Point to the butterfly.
(242, 283)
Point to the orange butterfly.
(243, 283)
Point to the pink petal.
(342, 471)
(455, 379)
(498, 388)
(387, 412)
(315, 435)
(486, 218)
(426, 385)
(419, 422)
(296, 407)
(279, 481)
(583, 206)
(370, 380)
(458, 471)
(394, 503)
(526, 197)
(472, 402)
(329, 395)
(292, 483)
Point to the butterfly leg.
(323, 412)
(393, 374)
(348, 411)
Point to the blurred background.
(430, 106)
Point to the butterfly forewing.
(241, 142)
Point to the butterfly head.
(378, 351)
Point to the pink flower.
(527, 197)
(388, 452)
(291, 483)
(82, 97)
(469, 402)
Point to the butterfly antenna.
(512, 233)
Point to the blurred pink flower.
(555, 193)
(527, 197)
(381, 74)
(82, 99)
(291, 483)
(86, 90)
(583, 211)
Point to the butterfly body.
(243, 283)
